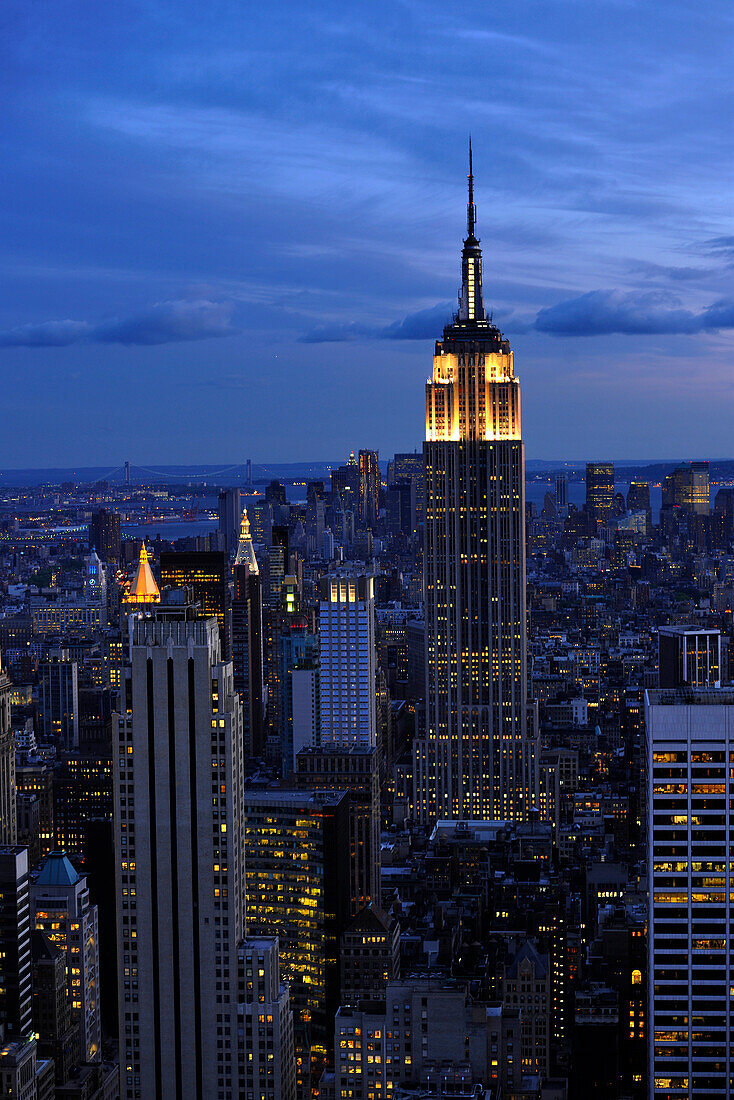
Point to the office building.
(298, 681)
(61, 908)
(689, 656)
(247, 640)
(354, 769)
(400, 508)
(105, 535)
(58, 699)
(369, 488)
(275, 493)
(599, 492)
(8, 808)
(298, 890)
(411, 467)
(370, 956)
(428, 1036)
(687, 488)
(180, 859)
(58, 1034)
(474, 760)
(345, 483)
(229, 511)
(206, 573)
(265, 1042)
(82, 793)
(15, 937)
(347, 658)
(526, 985)
(638, 500)
(561, 491)
(689, 750)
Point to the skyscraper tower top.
(245, 550)
(473, 393)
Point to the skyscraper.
(474, 762)
(600, 491)
(369, 488)
(247, 639)
(105, 534)
(561, 491)
(690, 830)
(206, 572)
(185, 968)
(8, 812)
(180, 858)
(229, 511)
(347, 660)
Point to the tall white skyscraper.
(347, 661)
(475, 761)
(690, 757)
(180, 867)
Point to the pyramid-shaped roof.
(58, 870)
(143, 589)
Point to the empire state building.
(475, 760)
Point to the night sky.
(232, 229)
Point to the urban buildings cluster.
(395, 784)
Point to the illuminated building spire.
(471, 303)
(143, 588)
(245, 550)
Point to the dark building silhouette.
(105, 536)
(206, 573)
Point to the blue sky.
(233, 230)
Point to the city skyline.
(287, 222)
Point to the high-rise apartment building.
(600, 491)
(474, 761)
(62, 909)
(347, 660)
(369, 488)
(206, 573)
(690, 832)
(8, 806)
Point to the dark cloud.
(425, 324)
(608, 312)
(164, 323)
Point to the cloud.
(652, 313)
(163, 323)
(424, 324)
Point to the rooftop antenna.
(471, 210)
